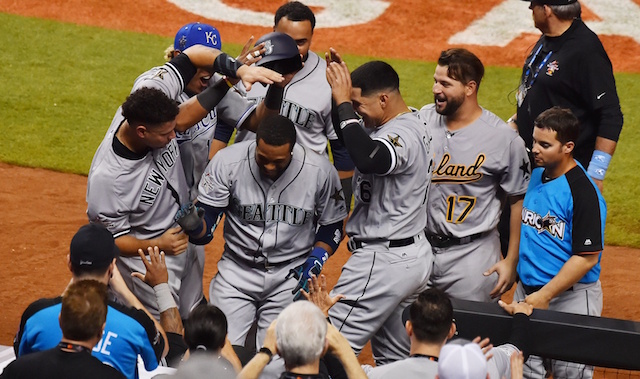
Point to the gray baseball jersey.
(391, 258)
(139, 195)
(306, 102)
(194, 143)
(410, 368)
(269, 228)
(475, 169)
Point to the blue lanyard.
(530, 78)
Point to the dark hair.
(207, 327)
(463, 65)
(375, 76)
(276, 130)
(149, 106)
(431, 316)
(567, 12)
(295, 11)
(84, 310)
(560, 120)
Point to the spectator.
(128, 332)
(82, 318)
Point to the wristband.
(163, 297)
(599, 164)
(211, 96)
(273, 98)
(226, 65)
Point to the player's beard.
(451, 105)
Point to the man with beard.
(480, 163)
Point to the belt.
(354, 244)
(531, 289)
(440, 241)
(265, 264)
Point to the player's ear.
(408, 326)
(383, 99)
(470, 87)
(141, 130)
(567, 148)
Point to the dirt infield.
(42, 209)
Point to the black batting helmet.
(281, 53)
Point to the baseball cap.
(197, 33)
(462, 359)
(281, 53)
(92, 247)
(552, 2)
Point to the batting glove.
(312, 266)
(190, 217)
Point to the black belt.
(265, 264)
(354, 244)
(441, 241)
(531, 289)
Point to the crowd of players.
(429, 187)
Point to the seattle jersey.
(393, 205)
(475, 169)
(306, 102)
(277, 220)
(560, 218)
(128, 333)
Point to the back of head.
(197, 33)
(149, 107)
(84, 310)
(375, 76)
(560, 120)
(565, 10)
(463, 65)
(205, 329)
(431, 316)
(462, 360)
(276, 130)
(295, 11)
(92, 250)
(301, 333)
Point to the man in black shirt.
(568, 67)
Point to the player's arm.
(571, 272)
(173, 242)
(343, 163)
(369, 156)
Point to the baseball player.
(391, 258)
(135, 186)
(563, 220)
(284, 211)
(480, 163)
(307, 98)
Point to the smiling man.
(284, 210)
(480, 165)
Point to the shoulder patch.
(395, 141)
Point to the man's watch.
(267, 351)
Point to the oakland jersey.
(475, 169)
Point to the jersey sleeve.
(589, 213)
(515, 179)
(166, 78)
(330, 206)
(213, 189)
(397, 140)
(234, 109)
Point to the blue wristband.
(599, 164)
(320, 254)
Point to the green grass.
(62, 87)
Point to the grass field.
(63, 82)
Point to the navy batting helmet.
(281, 53)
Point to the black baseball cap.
(552, 2)
(281, 53)
(92, 247)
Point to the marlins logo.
(552, 68)
(547, 223)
